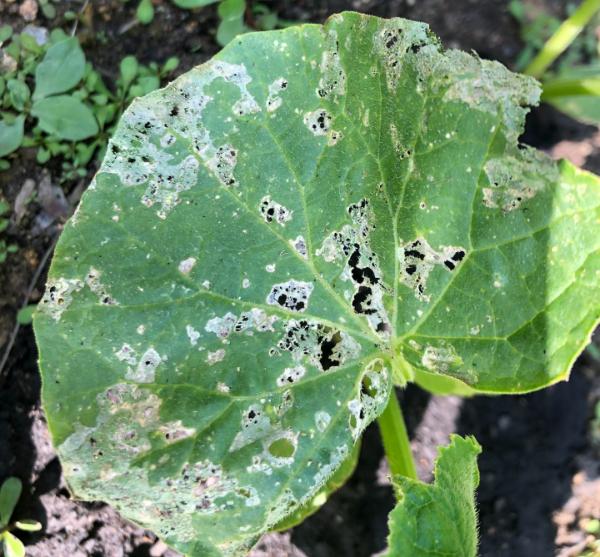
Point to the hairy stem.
(563, 37)
(395, 440)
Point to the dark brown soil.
(539, 472)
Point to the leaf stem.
(563, 37)
(561, 87)
(395, 440)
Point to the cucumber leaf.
(439, 519)
(276, 237)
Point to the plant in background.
(232, 16)
(574, 85)
(347, 209)
(5, 248)
(9, 497)
(52, 99)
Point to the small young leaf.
(12, 546)
(171, 64)
(24, 315)
(128, 69)
(18, 93)
(145, 11)
(65, 117)
(9, 497)
(61, 69)
(11, 135)
(5, 33)
(232, 23)
(439, 519)
(28, 525)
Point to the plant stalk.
(562, 38)
(395, 440)
(560, 87)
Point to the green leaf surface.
(440, 519)
(65, 117)
(12, 546)
(231, 13)
(61, 69)
(18, 93)
(128, 68)
(275, 235)
(339, 478)
(11, 135)
(189, 4)
(145, 11)
(9, 497)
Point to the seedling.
(274, 242)
(9, 497)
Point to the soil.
(540, 472)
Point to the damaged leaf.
(268, 246)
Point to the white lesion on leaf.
(186, 265)
(192, 334)
(416, 260)
(333, 77)
(373, 391)
(274, 99)
(515, 179)
(444, 359)
(93, 282)
(215, 357)
(318, 121)
(156, 135)
(145, 370)
(292, 295)
(393, 40)
(351, 244)
(291, 375)
(299, 244)
(324, 347)
(175, 431)
(58, 296)
(248, 321)
(272, 211)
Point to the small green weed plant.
(53, 100)
(11, 546)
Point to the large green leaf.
(439, 519)
(275, 235)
